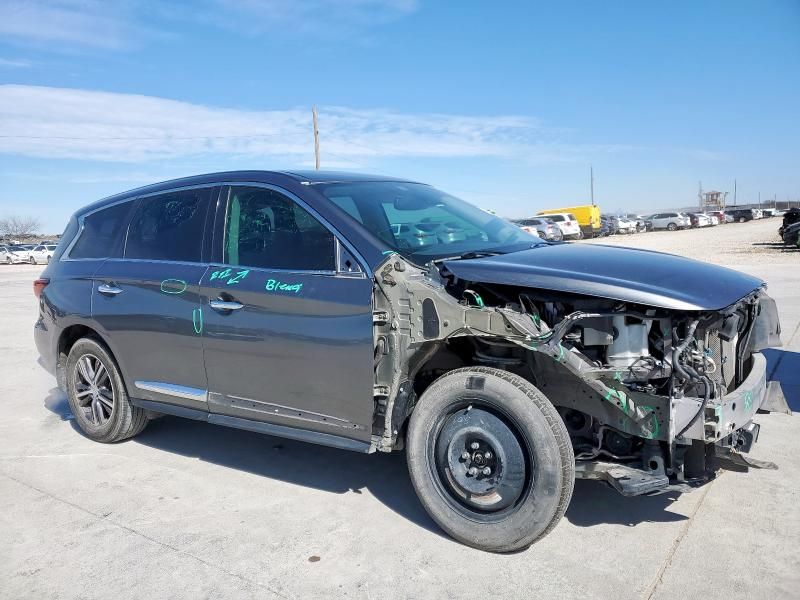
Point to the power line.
(156, 138)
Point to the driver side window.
(265, 229)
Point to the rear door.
(147, 300)
(287, 319)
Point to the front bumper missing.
(724, 416)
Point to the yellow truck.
(588, 217)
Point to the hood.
(626, 274)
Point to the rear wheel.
(742, 219)
(32, 260)
(97, 394)
(490, 459)
(672, 227)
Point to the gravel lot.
(753, 243)
(188, 509)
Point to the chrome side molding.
(172, 389)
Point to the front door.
(287, 336)
(148, 304)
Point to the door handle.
(109, 289)
(225, 305)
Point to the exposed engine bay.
(651, 396)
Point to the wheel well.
(68, 337)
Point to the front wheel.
(672, 227)
(32, 260)
(490, 459)
(742, 219)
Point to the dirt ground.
(752, 243)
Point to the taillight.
(39, 285)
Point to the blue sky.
(504, 104)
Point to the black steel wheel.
(97, 395)
(480, 460)
(490, 459)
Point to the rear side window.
(265, 229)
(169, 227)
(101, 232)
(572, 217)
(557, 218)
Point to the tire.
(672, 226)
(8, 260)
(48, 260)
(100, 419)
(32, 260)
(531, 472)
(742, 220)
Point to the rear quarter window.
(101, 232)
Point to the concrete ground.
(190, 510)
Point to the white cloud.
(81, 23)
(121, 24)
(46, 122)
(93, 125)
(15, 63)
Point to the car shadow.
(385, 476)
(784, 366)
(595, 503)
(776, 246)
(337, 471)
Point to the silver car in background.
(670, 220)
(544, 228)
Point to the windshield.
(422, 223)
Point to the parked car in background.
(570, 228)
(41, 254)
(768, 212)
(21, 253)
(544, 228)
(626, 225)
(758, 213)
(790, 217)
(718, 215)
(605, 229)
(670, 221)
(740, 215)
(587, 215)
(611, 222)
(639, 220)
(700, 220)
(791, 233)
(8, 256)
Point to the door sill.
(292, 433)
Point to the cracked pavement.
(190, 510)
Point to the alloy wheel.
(94, 390)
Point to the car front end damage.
(654, 389)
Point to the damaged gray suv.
(505, 366)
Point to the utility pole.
(700, 195)
(759, 199)
(316, 137)
(734, 192)
(591, 182)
